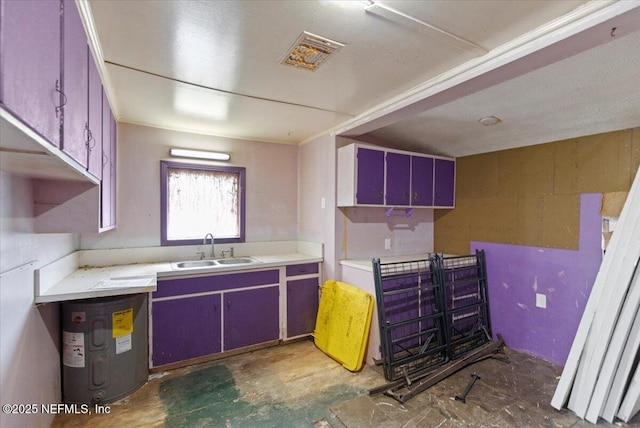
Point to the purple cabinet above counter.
(75, 86)
(30, 78)
(52, 117)
(444, 182)
(379, 177)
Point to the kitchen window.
(199, 199)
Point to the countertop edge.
(93, 293)
(357, 264)
(366, 263)
(80, 283)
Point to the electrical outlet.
(541, 300)
(323, 203)
(387, 244)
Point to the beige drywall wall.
(530, 195)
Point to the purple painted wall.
(516, 273)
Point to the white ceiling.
(418, 76)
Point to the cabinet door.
(445, 173)
(105, 185)
(302, 306)
(95, 119)
(251, 317)
(185, 328)
(370, 177)
(113, 163)
(398, 168)
(30, 64)
(421, 181)
(75, 85)
(303, 269)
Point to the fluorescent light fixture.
(199, 154)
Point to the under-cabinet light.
(199, 154)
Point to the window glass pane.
(201, 202)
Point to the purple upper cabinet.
(421, 181)
(251, 317)
(30, 65)
(113, 163)
(95, 119)
(105, 185)
(398, 179)
(75, 85)
(445, 174)
(367, 176)
(370, 177)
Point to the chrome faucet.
(224, 253)
(204, 241)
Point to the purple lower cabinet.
(205, 284)
(303, 269)
(251, 317)
(302, 306)
(185, 328)
(516, 273)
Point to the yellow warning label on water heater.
(122, 322)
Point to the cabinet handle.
(87, 134)
(89, 138)
(64, 99)
(105, 160)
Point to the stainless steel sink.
(237, 261)
(196, 264)
(217, 263)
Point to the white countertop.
(91, 282)
(366, 264)
(265, 262)
(84, 282)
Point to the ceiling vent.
(310, 51)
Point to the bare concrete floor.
(296, 385)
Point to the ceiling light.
(310, 51)
(489, 120)
(199, 154)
